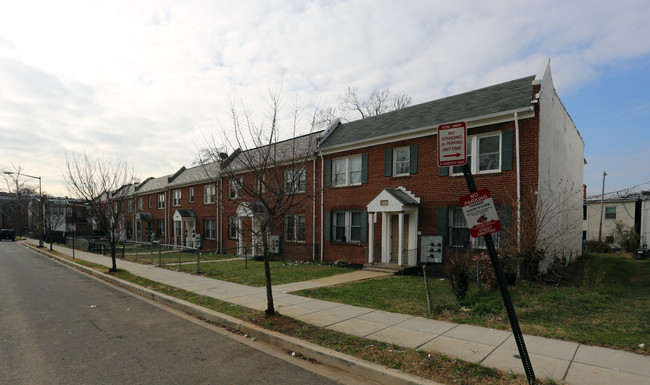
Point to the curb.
(349, 364)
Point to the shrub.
(459, 262)
(596, 246)
(627, 237)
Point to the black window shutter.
(327, 229)
(364, 226)
(364, 168)
(388, 162)
(328, 172)
(506, 150)
(413, 161)
(442, 221)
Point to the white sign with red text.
(480, 213)
(452, 144)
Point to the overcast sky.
(147, 80)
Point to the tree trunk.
(270, 309)
(113, 269)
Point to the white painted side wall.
(624, 213)
(561, 171)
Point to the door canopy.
(184, 214)
(393, 200)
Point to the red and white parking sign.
(480, 213)
(452, 144)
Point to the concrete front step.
(384, 267)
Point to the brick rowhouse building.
(371, 189)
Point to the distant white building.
(632, 209)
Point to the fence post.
(198, 258)
(151, 251)
(426, 286)
(159, 254)
(180, 256)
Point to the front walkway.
(560, 360)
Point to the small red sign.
(480, 213)
(452, 144)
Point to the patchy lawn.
(607, 302)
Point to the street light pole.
(40, 194)
(602, 200)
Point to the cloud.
(142, 79)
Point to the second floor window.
(488, 154)
(161, 201)
(176, 198)
(234, 188)
(347, 171)
(610, 212)
(191, 195)
(140, 203)
(294, 181)
(402, 161)
(208, 194)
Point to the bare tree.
(379, 102)
(105, 184)
(351, 106)
(550, 219)
(54, 217)
(266, 177)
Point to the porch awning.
(180, 214)
(392, 200)
(144, 217)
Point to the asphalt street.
(59, 326)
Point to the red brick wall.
(433, 190)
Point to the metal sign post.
(503, 287)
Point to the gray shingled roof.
(202, 173)
(402, 196)
(283, 151)
(153, 184)
(508, 96)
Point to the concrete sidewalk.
(559, 360)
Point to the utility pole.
(602, 201)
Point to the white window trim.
(212, 229)
(474, 243)
(233, 223)
(191, 195)
(208, 194)
(347, 171)
(474, 162)
(161, 201)
(292, 184)
(394, 165)
(295, 228)
(348, 226)
(234, 188)
(176, 198)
